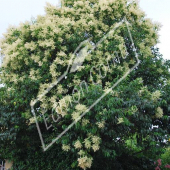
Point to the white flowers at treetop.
(35, 58)
(32, 46)
(61, 54)
(47, 43)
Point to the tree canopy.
(127, 129)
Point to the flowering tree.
(130, 122)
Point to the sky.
(12, 12)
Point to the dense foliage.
(127, 129)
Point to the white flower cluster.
(85, 162)
(156, 95)
(66, 147)
(96, 141)
(80, 108)
(101, 124)
(78, 144)
(92, 142)
(159, 113)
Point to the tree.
(121, 126)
